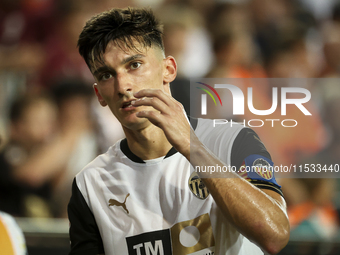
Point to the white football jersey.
(123, 205)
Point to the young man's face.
(126, 72)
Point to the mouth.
(127, 104)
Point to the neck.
(148, 143)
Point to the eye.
(105, 76)
(135, 65)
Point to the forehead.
(120, 49)
(116, 51)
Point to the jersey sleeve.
(84, 233)
(253, 161)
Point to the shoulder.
(234, 133)
(218, 128)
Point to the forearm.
(254, 213)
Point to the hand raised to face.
(169, 116)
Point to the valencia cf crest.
(197, 186)
(262, 168)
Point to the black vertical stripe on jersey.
(84, 233)
(203, 193)
(197, 189)
(247, 143)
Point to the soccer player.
(143, 196)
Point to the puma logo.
(117, 203)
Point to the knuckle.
(152, 101)
(158, 92)
(179, 106)
(152, 114)
(156, 100)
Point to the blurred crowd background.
(51, 125)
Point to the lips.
(128, 104)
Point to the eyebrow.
(105, 68)
(128, 59)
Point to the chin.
(136, 124)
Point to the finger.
(155, 102)
(153, 116)
(154, 93)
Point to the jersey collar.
(126, 150)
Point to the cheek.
(106, 93)
(153, 76)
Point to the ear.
(100, 98)
(170, 69)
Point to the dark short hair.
(121, 26)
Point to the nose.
(123, 83)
